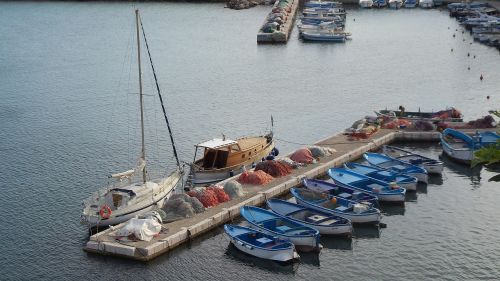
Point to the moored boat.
(133, 193)
(324, 222)
(410, 3)
(365, 3)
(261, 245)
(432, 166)
(426, 4)
(303, 237)
(395, 4)
(340, 191)
(224, 158)
(398, 166)
(362, 212)
(384, 191)
(324, 36)
(451, 115)
(379, 3)
(461, 147)
(407, 182)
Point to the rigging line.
(159, 95)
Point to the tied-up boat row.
(402, 180)
(323, 22)
(432, 166)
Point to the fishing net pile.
(290, 162)
(181, 206)
(422, 125)
(485, 122)
(320, 151)
(256, 178)
(210, 196)
(397, 123)
(275, 169)
(303, 155)
(234, 189)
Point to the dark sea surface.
(68, 118)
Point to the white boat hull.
(283, 255)
(421, 177)
(303, 243)
(409, 186)
(433, 168)
(366, 4)
(462, 155)
(391, 197)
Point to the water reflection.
(311, 258)
(422, 187)
(338, 243)
(473, 173)
(366, 231)
(273, 266)
(411, 196)
(435, 179)
(393, 210)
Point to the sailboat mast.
(141, 97)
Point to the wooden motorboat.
(224, 158)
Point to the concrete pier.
(182, 231)
(283, 34)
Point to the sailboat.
(126, 198)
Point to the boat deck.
(178, 232)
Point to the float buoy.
(105, 212)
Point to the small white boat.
(366, 3)
(261, 245)
(379, 3)
(395, 4)
(324, 222)
(461, 147)
(324, 36)
(432, 166)
(426, 4)
(411, 3)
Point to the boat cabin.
(216, 152)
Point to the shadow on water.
(337, 243)
(411, 196)
(311, 258)
(393, 210)
(422, 187)
(366, 231)
(434, 180)
(273, 266)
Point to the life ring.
(105, 212)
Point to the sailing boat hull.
(148, 202)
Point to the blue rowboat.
(407, 182)
(460, 147)
(381, 189)
(432, 166)
(395, 165)
(261, 245)
(363, 212)
(340, 191)
(324, 222)
(303, 237)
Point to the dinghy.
(384, 191)
(432, 166)
(340, 191)
(303, 237)
(363, 212)
(324, 222)
(395, 165)
(460, 147)
(407, 182)
(260, 245)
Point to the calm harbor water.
(68, 118)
